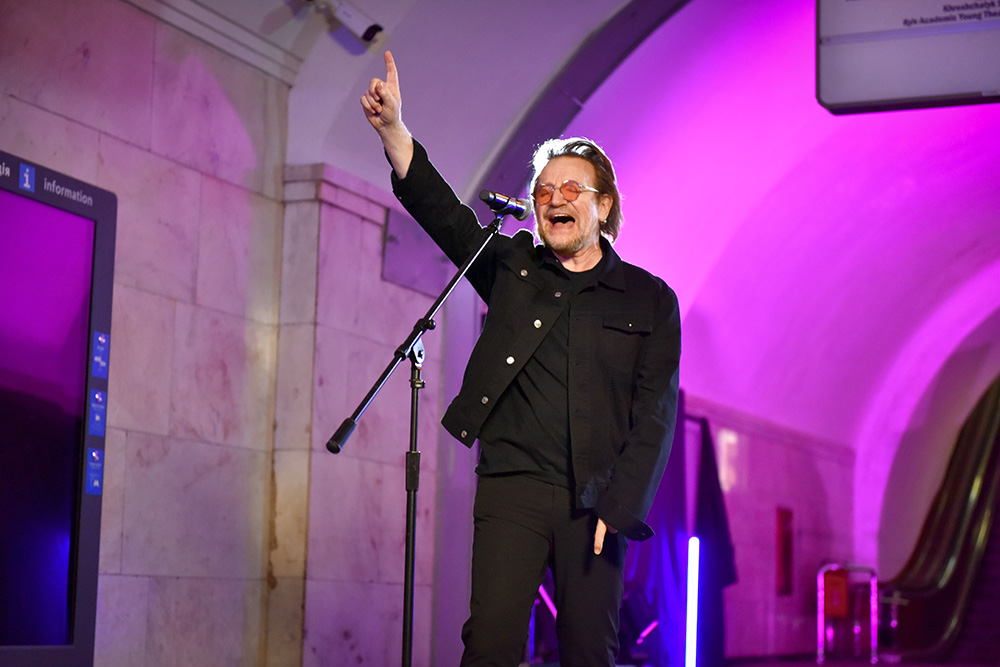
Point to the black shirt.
(528, 430)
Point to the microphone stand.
(412, 348)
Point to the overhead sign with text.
(877, 55)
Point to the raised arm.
(382, 104)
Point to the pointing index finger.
(391, 76)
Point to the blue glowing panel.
(94, 483)
(99, 358)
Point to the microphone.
(504, 205)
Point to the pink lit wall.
(828, 267)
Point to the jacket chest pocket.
(638, 324)
(619, 339)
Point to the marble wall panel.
(755, 562)
(383, 433)
(293, 395)
(142, 335)
(223, 386)
(204, 622)
(47, 139)
(183, 135)
(286, 616)
(339, 191)
(210, 111)
(343, 189)
(194, 509)
(72, 58)
(389, 311)
(274, 142)
(342, 363)
(429, 431)
(113, 502)
(794, 627)
(342, 268)
(290, 516)
(766, 467)
(156, 245)
(239, 250)
(751, 639)
(357, 499)
(347, 366)
(351, 293)
(357, 527)
(122, 608)
(349, 624)
(835, 477)
(298, 262)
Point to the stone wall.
(192, 142)
(764, 467)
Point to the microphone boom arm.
(337, 440)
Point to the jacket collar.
(612, 273)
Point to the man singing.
(571, 391)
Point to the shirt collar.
(610, 273)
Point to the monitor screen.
(57, 254)
(47, 255)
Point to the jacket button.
(465, 434)
(558, 294)
(524, 272)
(510, 360)
(538, 324)
(485, 400)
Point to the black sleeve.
(452, 225)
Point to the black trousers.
(522, 527)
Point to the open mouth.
(561, 219)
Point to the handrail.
(930, 597)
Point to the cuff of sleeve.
(619, 518)
(418, 161)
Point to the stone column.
(338, 521)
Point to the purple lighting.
(45, 286)
(46, 255)
(691, 641)
(810, 252)
(645, 632)
(547, 599)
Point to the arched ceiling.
(807, 248)
(830, 268)
(833, 270)
(468, 71)
(836, 273)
